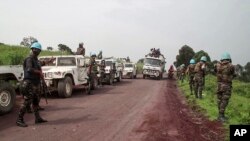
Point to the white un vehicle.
(65, 72)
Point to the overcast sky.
(124, 28)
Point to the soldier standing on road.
(199, 77)
(225, 72)
(31, 85)
(190, 72)
(102, 71)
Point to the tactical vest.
(198, 69)
(191, 68)
(29, 75)
(94, 66)
(225, 72)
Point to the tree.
(238, 70)
(185, 54)
(49, 48)
(64, 48)
(140, 61)
(28, 41)
(247, 68)
(201, 53)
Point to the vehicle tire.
(7, 98)
(94, 83)
(65, 87)
(134, 76)
(110, 80)
(88, 89)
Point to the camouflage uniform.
(199, 78)
(225, 73)
(102, 71)
(31, 90)
(182, 73)
(190, 72)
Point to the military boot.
(38, 118)
(222, 118)
(200, 95)
(196, 95)
(19, 121)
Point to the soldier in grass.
(199, 77)
(225, 72)
(190, 73)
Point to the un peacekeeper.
(190, 72)
(80, 50)
(225, 72)
(31, 85)
(102, 71)
(199, 77)
(182, 72)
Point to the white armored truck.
(65, 72)
(10, 76)
(129, 70)
(154, 66)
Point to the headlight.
(58, 73)
(157, 73)
(144, 71)
(49, 74)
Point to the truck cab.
(130, 70)
(154, 67)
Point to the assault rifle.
(45, 90)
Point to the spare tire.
(7, 97)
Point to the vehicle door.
(82, 70)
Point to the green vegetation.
(139, 68)
(237, 109)
(14, 55)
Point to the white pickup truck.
(67, 71)
(10, 76)
(112, 65)
(129, 70)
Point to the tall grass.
(15, 55)
(238, 109)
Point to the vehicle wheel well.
(71, 76)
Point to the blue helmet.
(204, 58)
(93, 55)
(225, 56)
(192, 61)
(36, 45)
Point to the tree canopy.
(63, 48)
(185, 54)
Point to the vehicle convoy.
(113, 70)
(10, 76)
(65, 72)
(130, 70)
(154, 65)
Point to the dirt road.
(131, 110)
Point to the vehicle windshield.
(46, 60)
(154, 62)
(66, 61)
(108, 63)
(128, 65)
